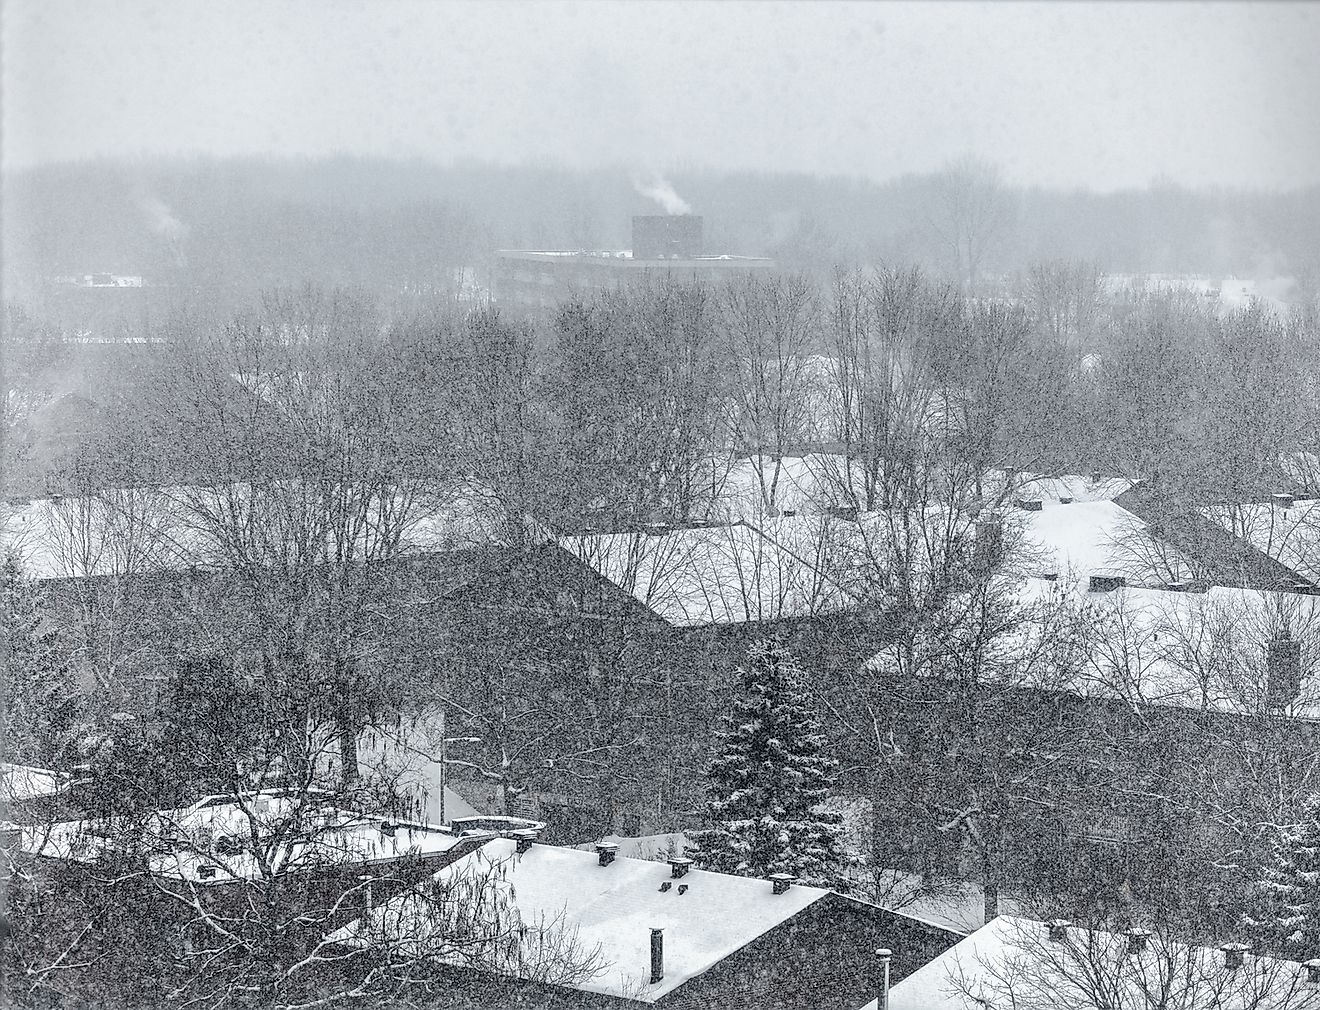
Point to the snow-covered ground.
(1225, 293)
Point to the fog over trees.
(475, 580)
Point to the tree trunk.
(991, 900)
(990, 885)
(348, 753)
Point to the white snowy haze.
(1102, 95)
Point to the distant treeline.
(242, 225)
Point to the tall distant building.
(535, 281)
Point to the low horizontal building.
(673, 936)
(536, 281)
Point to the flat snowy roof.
(613, 909)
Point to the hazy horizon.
(1100, 97)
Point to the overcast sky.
(1101, 95)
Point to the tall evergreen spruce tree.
(768, 782)
(1285, 918)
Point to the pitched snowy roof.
(724, 574)
(25, 782)
(135, 531)
(810, 483)
(1195, 650)
(1019, 949)
(1082, 538)
(1289, 535)
(612, 909)
(182, 841)
(1078, 487)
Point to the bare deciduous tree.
(971, 212)
(1096, 970)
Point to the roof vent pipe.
(882, 1000)
(657, 955)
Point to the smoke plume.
(659, 190)
(162, 222)
(161, 219)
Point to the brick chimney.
(988, 545)
(524, 838)
(1234, 955)
(678, 866)
(1283, 671)
(1312, 972)
(666, 236)
(1058, 929)
(606, 851)
(1137, 940)
(781, 882)
(1106, 583)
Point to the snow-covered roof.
(1083, 538)
(612, 909)
(143, 530)
(1016, 952)
(1078, 487)
(656, 848)
(1200, 650)
(805, 484)
(24, 782)
(780, 568)
(1289, 535)
(181, 842)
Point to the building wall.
(535, 283)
